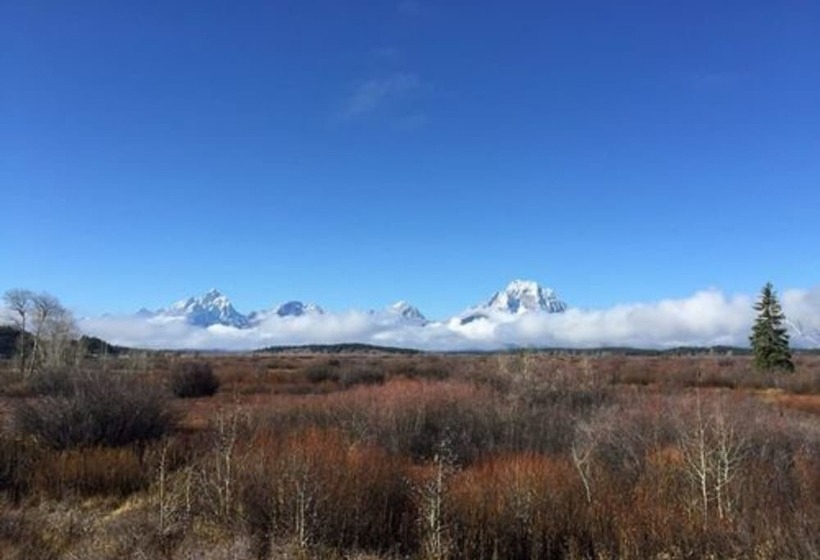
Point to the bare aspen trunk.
(581, 465)
(698, 456)
(702, 474)
(162, 466)
(435, 541)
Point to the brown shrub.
(517, 506)
(112, 410)
(321, 373)
(316, 488)
(52, 381)
(412, 418)
(193, 379)
(17, 458)
(90, 472)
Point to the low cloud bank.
(706, 318)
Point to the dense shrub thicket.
(8, 341)
(91, 408)
(517, 456)
(193, 379)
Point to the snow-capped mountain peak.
(407, 311)
(211, 298)
(521, 296)
(297, 309)
(399, 313)
(211, 308)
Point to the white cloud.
(372, 94)
(707, 317)
(163, 333)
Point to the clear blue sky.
(355, 153)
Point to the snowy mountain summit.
(521, 296)
(399, 313)
(211, 308)
(407, 312)
(297, 309)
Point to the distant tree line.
(338, 349)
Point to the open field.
(368, 455)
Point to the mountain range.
(214, 308)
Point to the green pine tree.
(770, 341)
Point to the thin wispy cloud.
(387, 54)
(413, 121)
(711, 81)
(408, 7)
(376, 93)
(706, 318)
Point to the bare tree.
(698, 453)
(431, 493)
(713, 452)
(729, 454)
(589, 434)
(45, 307)
(57, 338)
(51, 327)
(20, 303)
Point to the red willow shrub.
(99, 471)
(518, 506)
(405, 417)
(317, 489)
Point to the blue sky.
(356, 153)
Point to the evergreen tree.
(770, 341)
